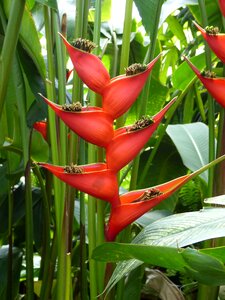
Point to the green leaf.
(191, 141)
(49, 3)
(148, 12)
(179, 230)
(204, 268)
(177, 29)
(183, 76)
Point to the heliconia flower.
(88, 67)
(123, 90)
(93, 179)
(129, 140)
(135, 203)
(215, 40)
(222, 6)
(215, 86)
(91, 123)
(42, 128)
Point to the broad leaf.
(178, 230)
(191, 141)
(202, 267)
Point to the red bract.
(42, 128)
(215, 86)
(94, 179)
(123, 90)
(91, 123)
(127, 143)
(89, 67)
(215, 41)
(222, 6)
(134, 204)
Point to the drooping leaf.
(179, 230)
(191, 141)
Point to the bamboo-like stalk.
(208, 292)
(125, 51)
(92, 157)
(145, 93)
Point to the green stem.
(29, 228)
(61, 72)
(9, 47)
(210, 103)
(10, 237)
(205, 291)
(45, 259)
(77, 94)
(125, 51)
(145, 93)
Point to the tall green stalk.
(92, 156)
(125, 51)
(145, 93)
(9, 46)
(208, 292)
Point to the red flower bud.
(123, 90)
(127, 142)
(42, 128)
(134, 204)
(215, 86)
(90, 123)
(215, 41)
(93, 179)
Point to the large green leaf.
(178, 230)
(191, 141)
(204, 268)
